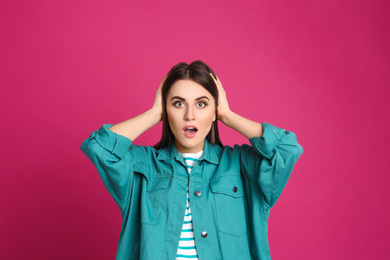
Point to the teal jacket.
(231, 190)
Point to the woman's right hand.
(157, 104)
(134, 127)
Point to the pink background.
(317, 68)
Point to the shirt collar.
(209, 153)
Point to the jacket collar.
(209, 153)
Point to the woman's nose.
(189, 114)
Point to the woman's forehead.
(188, 89)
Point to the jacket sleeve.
(114, 160)
(278, 151)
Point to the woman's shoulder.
(232, 150)
(236, 147)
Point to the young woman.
(190, 197)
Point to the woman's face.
(191, 112)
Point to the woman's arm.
(244, 126)
(134, 127)
(109, 151)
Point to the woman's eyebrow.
(176, 97)
(202, 97)
(183, 99)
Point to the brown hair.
(199, 72)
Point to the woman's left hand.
(223, 106)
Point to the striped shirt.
(187, 248)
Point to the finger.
(215, 78)
(218, 83)
(162, 82)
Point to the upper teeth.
(190, 128)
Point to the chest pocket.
(151, 200)
(229, 203)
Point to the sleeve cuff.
(266, 143)
(113, 142)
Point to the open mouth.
(190, 130)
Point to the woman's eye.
(179, 104)
(201, 104)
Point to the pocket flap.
(156, 184)
(229, 185)
(143, 168)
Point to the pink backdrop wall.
(318, 68)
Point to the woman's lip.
(190, 134)
(188, 126)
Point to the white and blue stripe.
(187, 247)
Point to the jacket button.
(200, 162)
(235, 189)
(204, 234)
(198, 193)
